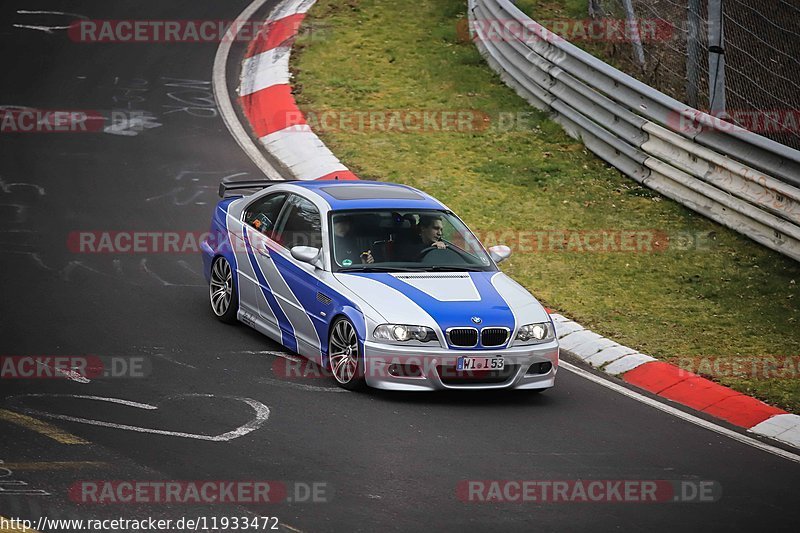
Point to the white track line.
(744, 439)
(120, 401)
(222, 96)
(261, 411)
(69, 374)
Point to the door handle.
(263, 251)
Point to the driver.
(430, 235)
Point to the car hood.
(443, 300)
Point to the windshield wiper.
(368, 268)
(441, 268)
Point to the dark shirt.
(409, 250)
(346, 248)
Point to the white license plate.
(480, 363)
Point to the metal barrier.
(742, 180)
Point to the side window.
(263, 214)
(451, 234)
(301, 224)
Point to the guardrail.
(742, 180)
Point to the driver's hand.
(366, 258)
(440, 245)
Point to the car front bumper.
(437, 367)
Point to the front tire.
(344, 356)
(222, 294)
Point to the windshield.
(395, 241)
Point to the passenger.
(346, 251)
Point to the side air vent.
(324, 299)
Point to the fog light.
(540, 368)
(405, 371)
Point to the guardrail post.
(693, 53)
(595, 9)
(633, 28)
(716, 59)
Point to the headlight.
(403, 333)
(536, 333)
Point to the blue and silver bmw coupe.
(379, 283)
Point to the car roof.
(352, 194)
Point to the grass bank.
(689, 291)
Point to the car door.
(294, 284)
(258, 226)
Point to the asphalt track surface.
(390, 461)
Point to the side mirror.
(308, 254)
(499, 253)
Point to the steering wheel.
(425, 251)
(452, 249)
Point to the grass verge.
(697, 294)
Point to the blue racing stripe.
(288, 338)
(306, 294)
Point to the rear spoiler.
(227, 185)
